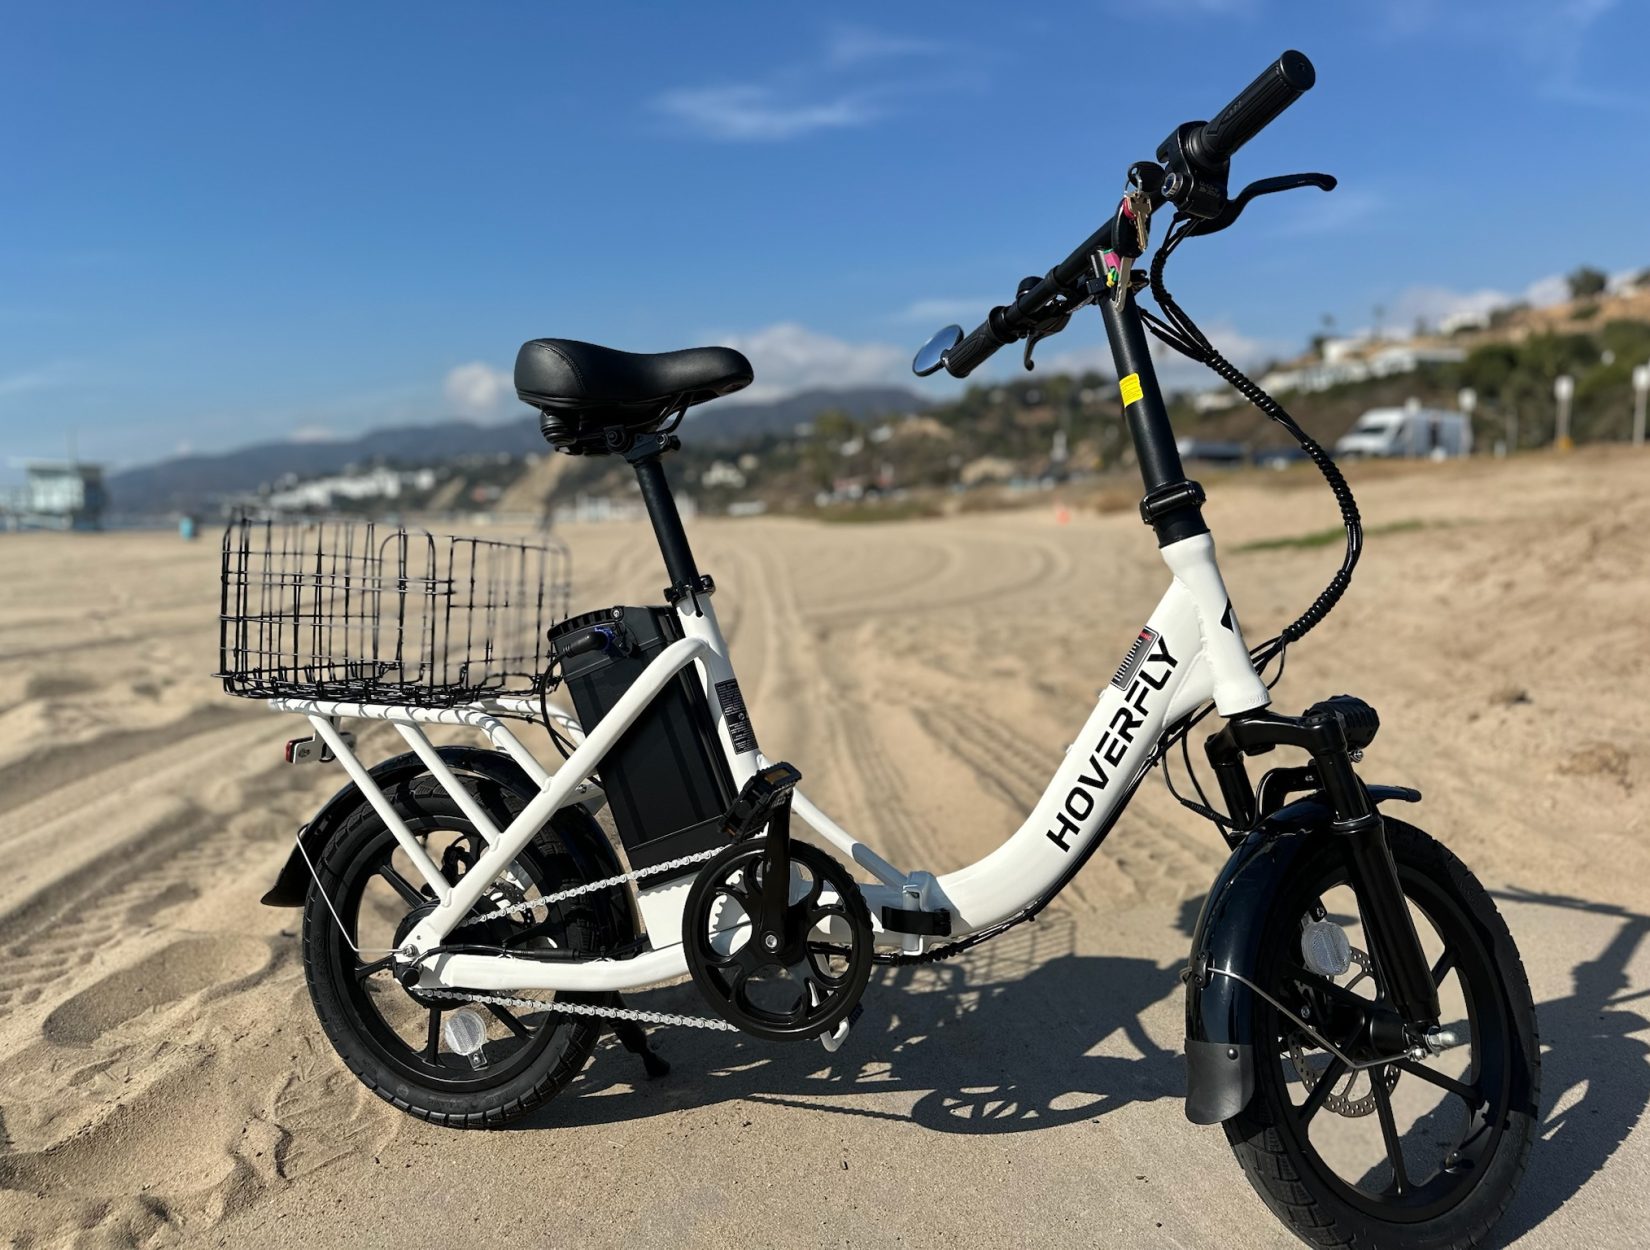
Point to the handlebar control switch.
(1196, 188)
(1198, 155)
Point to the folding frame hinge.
(916, 919)
(935, 923)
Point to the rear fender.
(590, 850)
(1220, 1045)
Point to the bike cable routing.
(1190, 175)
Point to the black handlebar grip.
(1361, 721)
(973, 351)
(1284, 81)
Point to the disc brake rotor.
(1342, 1102)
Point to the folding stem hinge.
(315, 750)
(1166, 499)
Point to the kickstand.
(634, 1038)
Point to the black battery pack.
(666, 779)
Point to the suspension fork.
(1357, 823)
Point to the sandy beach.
(164, 1080)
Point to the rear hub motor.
(788, 976)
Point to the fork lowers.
(1323, 732)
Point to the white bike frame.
(1190, 652)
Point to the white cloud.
(478, 390)
(1174, 371)
(967, 311)
(750, 112)
(830, 92)
(312, 434)
(30, 380)
(1543, 292)
(1434, 304)
(855, 45)
(788, 357)
(1319, 213)
(1549, 39)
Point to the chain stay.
(587, 1009)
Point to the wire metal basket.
(348, 611)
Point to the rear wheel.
(461, 1063)
(1417, 1152)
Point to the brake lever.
(1265, 186)
(1044, 332)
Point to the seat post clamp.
(701, 585)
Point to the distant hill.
(731, 422)
(187, 483)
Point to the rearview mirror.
(932, 356)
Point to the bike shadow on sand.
(996, 1041)
(1595, 1074)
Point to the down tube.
(1165, 675)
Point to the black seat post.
(667, 521)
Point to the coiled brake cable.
(1180, 332)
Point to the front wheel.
(1418, 1152)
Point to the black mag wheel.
(786, 978)
(1418, 1152)
(461, 1063)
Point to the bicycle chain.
(589, 887)
(585, 1009)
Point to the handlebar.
(1254, 108)
(973, 351)
(1206, 145)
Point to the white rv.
(1429, 432)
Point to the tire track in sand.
(878, 804)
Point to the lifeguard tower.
(59, 494)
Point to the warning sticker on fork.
(740, 732)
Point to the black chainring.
(786, 978)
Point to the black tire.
(1277, 1140)
(533, 1068)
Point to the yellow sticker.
(1130, 386)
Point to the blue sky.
(225, 223)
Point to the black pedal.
(759, 798)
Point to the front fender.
(292, 884)
(1220, 1045)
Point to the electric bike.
(1357, 1016)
